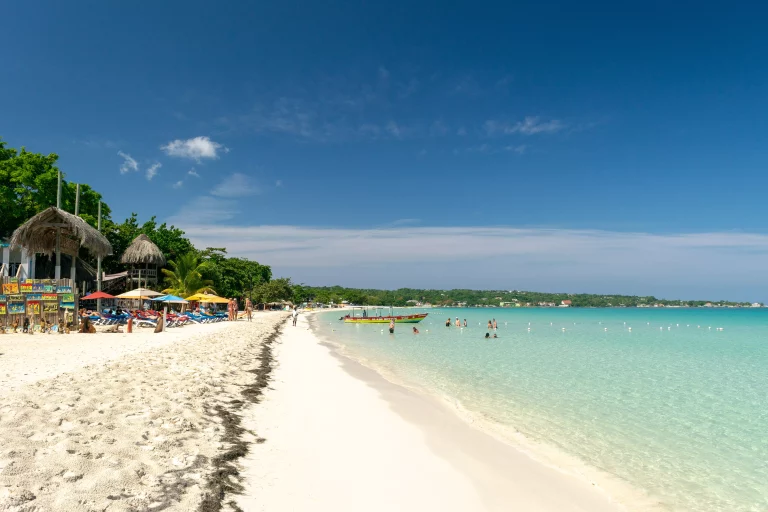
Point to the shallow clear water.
(673, 407)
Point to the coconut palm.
(185, 277)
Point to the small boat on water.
(365, 318)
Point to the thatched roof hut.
(143, 250)
(38, 234)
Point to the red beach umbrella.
(98, 295)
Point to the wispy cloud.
(193, 172)
(129, 164)
(197, 148)
(383, 73)
(235, 185)
(489, 149)
(279, 183)
(152, 170)
(178, 184)
(559, 259)
(531, 125)
(438, 128)
(206, 210)
(394, 129)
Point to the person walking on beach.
(249, 308)
(295, 316)
(392, 326)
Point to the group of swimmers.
(458, 323)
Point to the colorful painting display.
(26, 287)
(38, 286)
(10, 288)
(50, 297)
(68, 301)
(33, 307)
(50, 307)
(64, 289)
(15, 308)
(3, 309)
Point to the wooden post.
(73, 270)
(57, 274)
(98, 266)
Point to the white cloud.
(235, 185)
(129, 164)
(197, 148)
(204, 210)
(178, 184)
(193, 172)
(688, 265)
(531, 125)
(393, 129)
(152, 170)
(519, 149)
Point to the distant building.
(565, 303)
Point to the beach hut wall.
(38, 234)
(143, 250)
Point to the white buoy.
(678, 325)
(669, 328)
(630, 329)
(563, 329)
(529, 329)
(648, 323)
(661, 328)
(710, 328)
(605, 329)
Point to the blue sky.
(282, 128)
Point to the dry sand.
(341, 438)
(127, 421)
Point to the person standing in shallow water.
(458, 323)
(490, 325)
(465, 322)
(391, 327)
(448, 322)
(495, 325)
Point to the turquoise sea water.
(674, 406)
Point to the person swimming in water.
(490, 325)
(458, 324)
(495, 326)
(448, 322)
(415, 331)
(487, 335)
(465, 322)
(391, 327)
(494, 335)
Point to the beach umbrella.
(171, 298)
(139, 293)
(204, 297)
(98, 295)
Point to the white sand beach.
(338, 437)
(119, 422)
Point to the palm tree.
(186, 276)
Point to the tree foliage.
(28, 185)
(274, 291)
(185, 277)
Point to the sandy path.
(146, 429)
(341, 438)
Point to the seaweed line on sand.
(224, 478)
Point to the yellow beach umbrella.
(204, 297)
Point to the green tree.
(274, 291)
(184, 278)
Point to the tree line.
(28, 185)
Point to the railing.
(149, 274)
